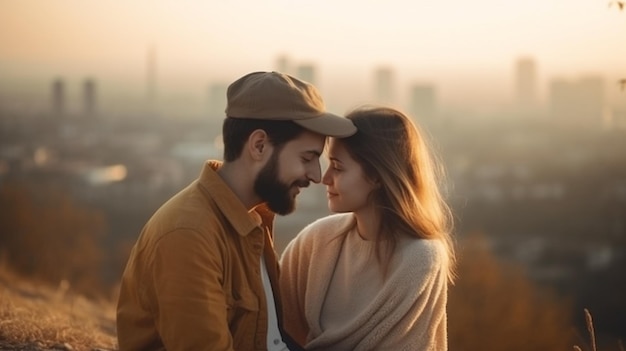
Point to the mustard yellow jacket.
(193, 279)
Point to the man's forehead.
(308, 141)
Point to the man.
(203, 273)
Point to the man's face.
(292, 167)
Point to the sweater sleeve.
(422, 291)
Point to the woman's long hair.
(391, 150)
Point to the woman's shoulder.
(429, 252)
(333, 223)
(317, 235)
(322, 230)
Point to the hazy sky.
(202, 41)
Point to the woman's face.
(347, 186)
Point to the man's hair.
(235, 132)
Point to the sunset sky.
(202, 41)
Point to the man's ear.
(258, 144)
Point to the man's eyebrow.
(313, 152)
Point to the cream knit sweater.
(334, 297)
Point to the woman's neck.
(367, 222)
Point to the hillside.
(38, 317)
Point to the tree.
(44, 234)
(493, 306)
(621, 5)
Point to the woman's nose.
(326, 179)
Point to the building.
(283, 65)
(525, 86)
(384, 86)
(58, 98)
(89, 98)
(578, 102)
(217, 100)
(151, 81)
(306, 72)
(422, 102)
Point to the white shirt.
(274, 339)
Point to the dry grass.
(38, 317)
(592, 334)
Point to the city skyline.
(208, 97)
(466, 49)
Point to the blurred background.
(109, 108)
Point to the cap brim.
(329, 125)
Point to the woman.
(373, 276)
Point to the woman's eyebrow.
(334, 159)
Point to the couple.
(204, 274)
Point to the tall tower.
(58, 98)
(151, 80)
(422, 100)
(383, 86)
(217, 100)
(592, 99)
(579, 102)
(306, 72)
(89, 97)
(283, 65)
(525, 85)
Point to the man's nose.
(315, 173)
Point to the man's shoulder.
(188, 210)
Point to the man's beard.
(274, 192)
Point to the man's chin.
(284, 212)
(282, 209)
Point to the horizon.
(341, 90)
(466, 50)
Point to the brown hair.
(392, 150)
(235, 132)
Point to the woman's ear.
(375, 182)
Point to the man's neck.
(240, 181)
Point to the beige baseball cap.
(281, 97)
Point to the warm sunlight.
(451, 44)
(113, 130)
(72, 35)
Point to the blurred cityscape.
(544, 180)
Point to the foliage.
(493, 306)
(620, 4)
(44, 234)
